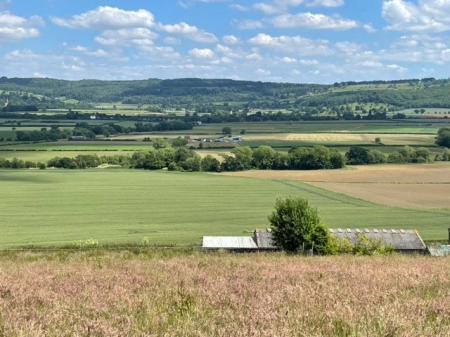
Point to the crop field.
(56, 207)
(146, 293)
(406, 186)
(346, 138)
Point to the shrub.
(210, 164)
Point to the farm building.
(404, 241)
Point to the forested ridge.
(207, 94)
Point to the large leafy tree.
(296, 225)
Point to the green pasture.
(56, 207)
(44, 156)
(425, 127)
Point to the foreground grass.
(143, 293)
(57, 207)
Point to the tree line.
(91, 131)
(180, 158)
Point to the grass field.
(411, 127)
(44, 156)
(116, 294)
(119, 206)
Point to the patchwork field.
(55, 208)
(407, 186)
(148, 294)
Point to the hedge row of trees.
(90, 131)
(242, 158)
(363, 156)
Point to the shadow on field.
(22, 177)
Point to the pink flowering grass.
(148, 294)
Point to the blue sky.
(318, 41)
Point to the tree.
(296, 225)
(264, 157)
(357, 155)
(227, 131)
(210, 164)
(159, 143)
(443, 138)
(179, 142)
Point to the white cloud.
(134, 37)
(14, 27)
(280, 6)
(426, 16)
(190, 3)
(293, 44)
(313, 21)
(104, 18)
(202, 53)
(326, 3)
(239, 7)
(86, 51)
(190, 32)
(230, 39)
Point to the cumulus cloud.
(202, 53)
(313, 21)
(326, 3)
(279, 6)
(426, 16)
(13, 27)
(293, 44)
(190, 32)
(230, 39)
(106, 17)
(134, 37)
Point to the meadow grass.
(139, 293)
(57, 207)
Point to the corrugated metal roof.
(229, 242)
(440, 251)
(264, 240)
(398, 239)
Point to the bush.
(296, 226)
(363, 246)
(210, 164)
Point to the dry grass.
(407, 186)
(122, 294)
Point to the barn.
(402, 241)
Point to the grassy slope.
(58, 207)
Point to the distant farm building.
(403, 241)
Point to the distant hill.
(227, 94)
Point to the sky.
(300, 41)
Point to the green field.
(55, 207)
(419, 127)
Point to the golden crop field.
(346, 138)
(407, 186)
